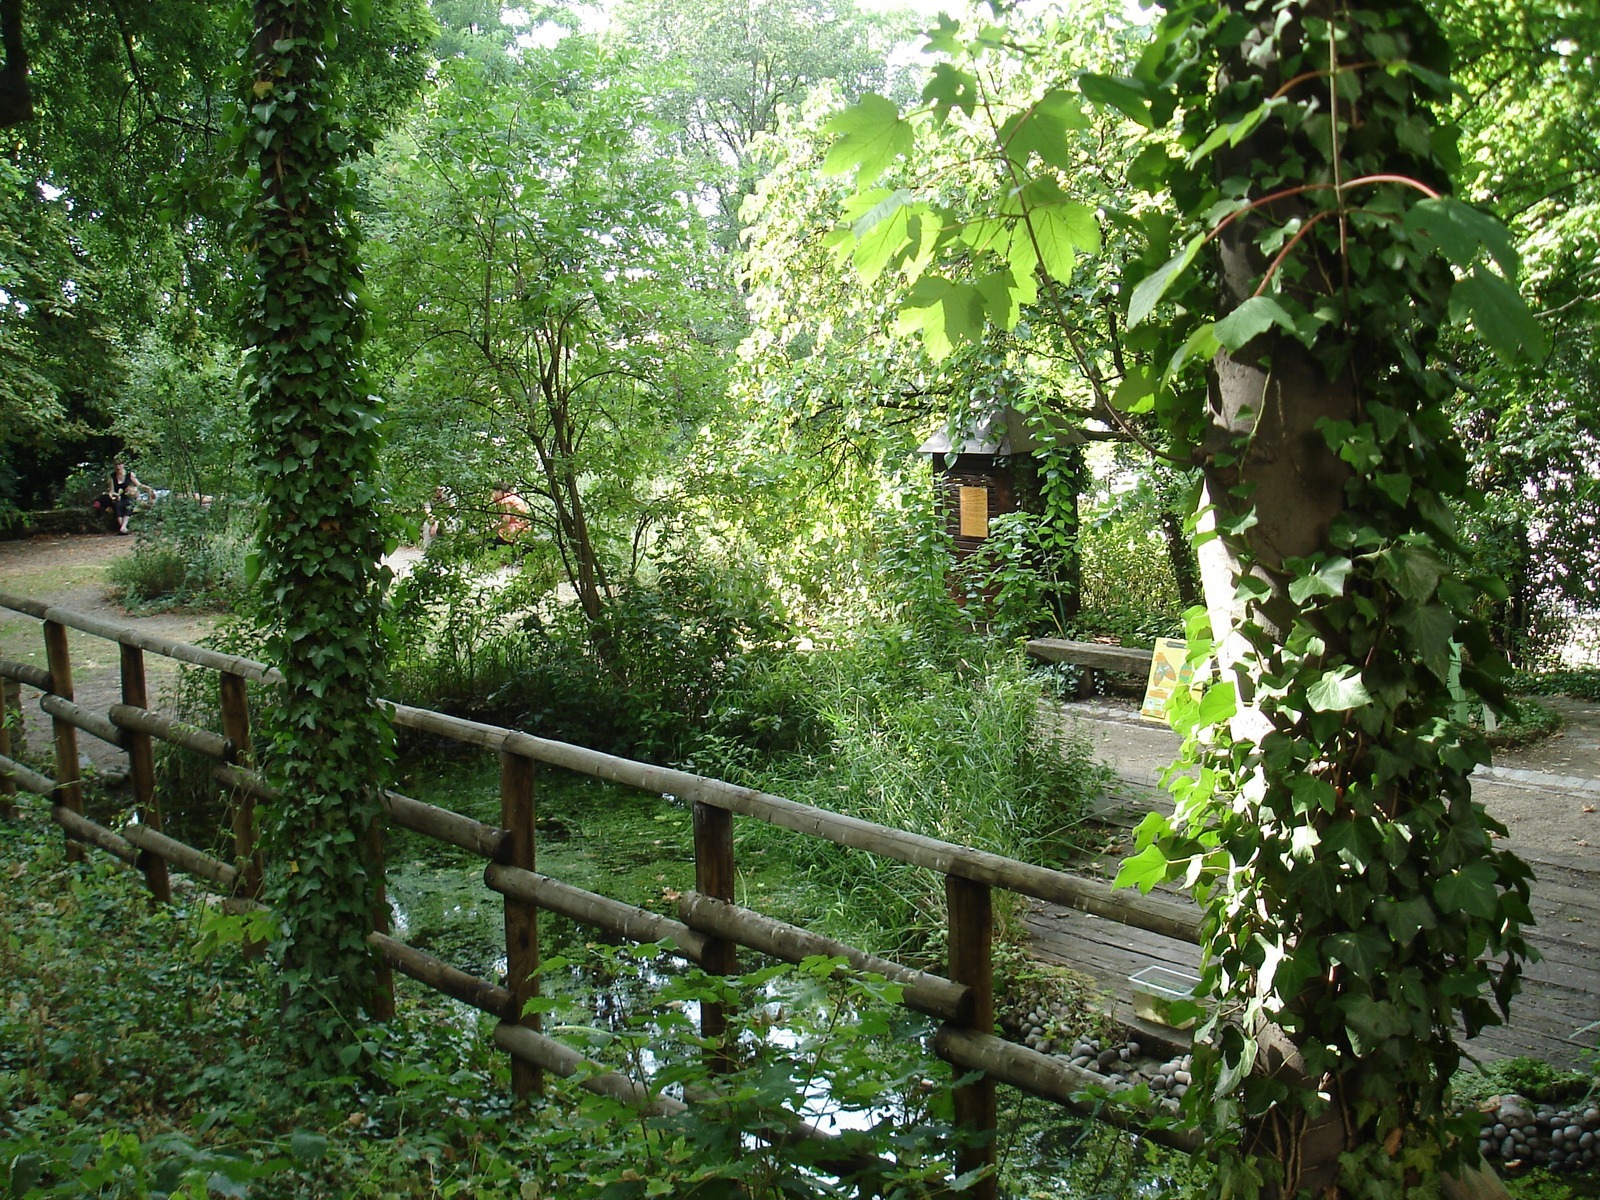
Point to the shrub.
(187, 554)
(653, 680)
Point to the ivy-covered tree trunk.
(1358, 916)
(321, 546)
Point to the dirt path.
(70, 571)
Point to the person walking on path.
(123, 488)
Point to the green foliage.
(321, 580)
(1315, 258)
(187, 554)
(1582, 685)
(554, 321)
(171, 1083)
(1350, 883)
(941, 739)
(1526, 1077)
(692, 661)
(813, 1043)
(180, 411)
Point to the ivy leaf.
(1220, 703)
(1130, 97)
(872, 134)
(1143, 870)
(1370, 1022)
(1499, 314)
(1430, 628)
(1414, 571)
(1405, 918)
(1326, 578)
(1338, 691)
(1250, 320)
(1235, 132)
(1365, 952)
(1469, 889)
(1149, 292)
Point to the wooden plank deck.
(1556, 1018)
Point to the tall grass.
(942, 741)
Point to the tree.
(315, 429)
(1350, 885)
(1529, 154)
(553, 314)
(736, 64)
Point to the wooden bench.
(1096, 656)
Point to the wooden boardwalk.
(1555, 1019)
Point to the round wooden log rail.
(184, 857)
(930, 994)
(179, 733)
(486, 841)
(1052, 1078)
(82, 829)
(442, 977)
(1039, 1074)
(197, 656)
(243, 779)
(625, 920)
(947, 858)
(26, 778)
(1152, 914)
(533, 1047)
(82, 718)
(35, 677)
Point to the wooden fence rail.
(710, 930)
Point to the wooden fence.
(710, 928)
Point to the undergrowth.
(133, 1065)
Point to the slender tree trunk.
(321, 539)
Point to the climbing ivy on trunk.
(321, 578)
(1300, 257)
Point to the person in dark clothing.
(123, 490)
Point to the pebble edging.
(1519, 1133)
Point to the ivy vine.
(1355, 901)
(1282, 335)
(320, 575)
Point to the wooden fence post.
(383, 973)
(10, 702)
(713, 876)
(235, 704)
(517, 815)
(971, 915)
(142, 771)
(69, 785)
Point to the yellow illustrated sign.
(975, 512)
(1169, 670)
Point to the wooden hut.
(987, 473)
